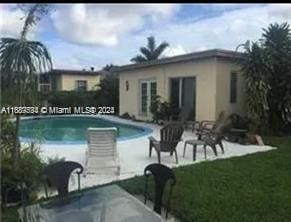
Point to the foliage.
(267, 70)
(151, 52)
(125, 116)
(29, 165)
(108, 92)
(215, 191)
(21, 60)
(69, 98)
(20, 63)
(109, 67)
(160, 110)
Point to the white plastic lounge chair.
(101, 154)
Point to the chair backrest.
(170, 136)
(162, 174)
(102, 142)
(208, 124)
(57, 175)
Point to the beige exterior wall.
(59, 83)
(224, 68)
(68, 82)
(203, 70)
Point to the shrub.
(70, 98)
(160, 110)
(25, 171)
(125, 116)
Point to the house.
(68, 80)
(208, 82)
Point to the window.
(148, 91)
(44, 82)
(233, 87)
(81, 85)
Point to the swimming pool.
(72, 129)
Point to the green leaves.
(19, 56)
(267, 70)
(151, 52)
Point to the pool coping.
(109, 118)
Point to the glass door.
(183, 94)
(148, 91)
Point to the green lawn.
(251, 188)
(255, 187)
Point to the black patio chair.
(162, 175)
(170, 136)
(57, 175)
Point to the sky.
(80, 36)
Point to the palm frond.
(138, 59)
(151, 52)
(160, 49)
(151, 44)
(147, 54)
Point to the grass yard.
(255, 187)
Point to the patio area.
(134, 155)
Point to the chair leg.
(214, 149)
(159, 156)
(221, 147)
(205, 154)
(150, 148)
(185, 144)
(194, 152)
(176, 157)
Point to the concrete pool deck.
(134, 157)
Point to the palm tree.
(151, 52)
(20, 62)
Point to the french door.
(148, 91)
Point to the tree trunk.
(16, 147)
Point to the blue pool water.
(72, 129)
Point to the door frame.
(181, 91)
(148, 82)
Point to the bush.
(160, 110)
(125, 116)
(70, 98)
(25, 171)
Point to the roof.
(183, 58)
(74, 72)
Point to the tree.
(267, 70)
(151, 52)
(20, 63)
(109, 67)
(108, 89)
